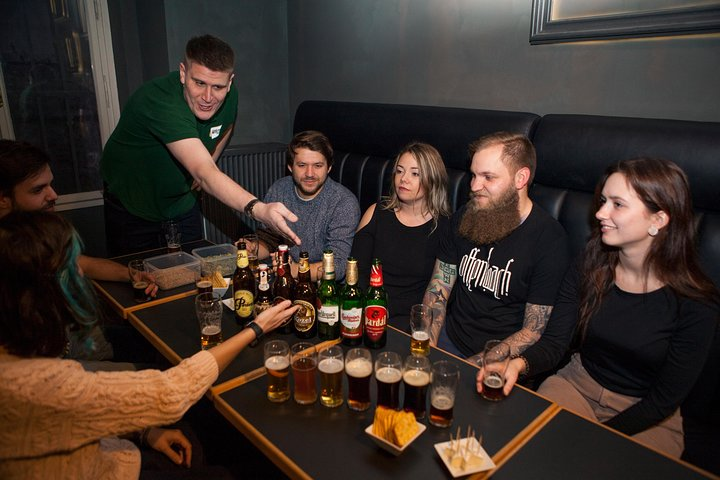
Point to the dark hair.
(210, 52)
(42, 291)
(312, 140)
(672, 258)
(518, 151)
(18, 162)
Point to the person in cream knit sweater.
(58, 420)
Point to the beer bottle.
(284, 285)
(243, 287)
(376, 314)
(351, 307)
(305, 318)
(328, 313)
(264, 297)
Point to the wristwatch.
(249, 208)
(258, 332)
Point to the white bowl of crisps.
(394, 431)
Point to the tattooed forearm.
(437, 295)
(536, 318)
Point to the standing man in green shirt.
(163, 152)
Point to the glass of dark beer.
(445, 379)
(420, 322)
(388, 373)
(303, 361)
(136, 270)
(416, 377)
(277, 365)
(330, 366)
(358, 368)
(496, 357)
(208, 307)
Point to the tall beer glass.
(445, 378)
(495, 361)
(420, 322)
(388, 373)
(416, 377)
(136, 269)
(330, 365)
(277, 364)
(304, 366)
(358, 367)
(208, 308)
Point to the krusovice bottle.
(351, 307)
(376, 314)
(328, 303)
(243, 288)
(264, 298)
(305, 319)
(284, 285)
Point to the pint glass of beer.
(445, 378)
(358, 368)
(416, 377)
(208, 308)
(420, 321)
(277, 364)
(495, 361)
(303, 361)
(330, 365)
(136, 268)
(388, 373)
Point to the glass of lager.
(136, 268)
(208, 307)
(495, 361)
(330, 365)
(445, 378)
(388, 373)
(359, 368)
(277, 364)
(420, 321)
(416, 377)
(303, 361)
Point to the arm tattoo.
(437, 295)
(536, 318)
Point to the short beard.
(493, 223)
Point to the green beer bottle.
(351, 307)
(328, 311)
(376, 314)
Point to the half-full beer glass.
(304, 366)
(445, 378)
(416, 377)
(358, 368)
(420, 322)
(277, 364)
(388, 373)
(330, 365)
(208, 308)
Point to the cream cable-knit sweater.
(59, 421)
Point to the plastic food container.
(223, 256)
(173, 269)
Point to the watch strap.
(258, 332)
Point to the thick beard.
(492, 223)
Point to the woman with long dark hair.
(58, 420)
(643, 312)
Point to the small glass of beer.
(388, 373)
(136, 269)
(208, 307)
(359, 368)
(277, 364)
(445, 379)
(496, 357)
(330, 365)
(416, 377)
(303, 361)
(420, 322)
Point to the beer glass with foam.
(416, 378)
(496, 357)
(388, 373)
(445, 378)
(136, 268)
(277, 364)
(330, 366)
(358, 368)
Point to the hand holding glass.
(496, 357)
(136, 270)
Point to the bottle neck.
(351, 274)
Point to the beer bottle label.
(244, 303)
(261, 307)
(375, 321)
(329, 314)
(305, 317)
(351, 322)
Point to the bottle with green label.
(376, 314)
(351, 307)
(243, 288)
(328, 312)
(305, 319)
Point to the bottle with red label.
(376, 313)
(351, 307)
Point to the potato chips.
(393, 426)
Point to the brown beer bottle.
(243, 288)
(376, 314)
(305, 319)
(284, 285)
(351, 307)
(264, 297)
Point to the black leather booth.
(573, 151)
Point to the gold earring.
(653, 230)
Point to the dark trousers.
(126, 233)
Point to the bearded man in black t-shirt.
(500, 264)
